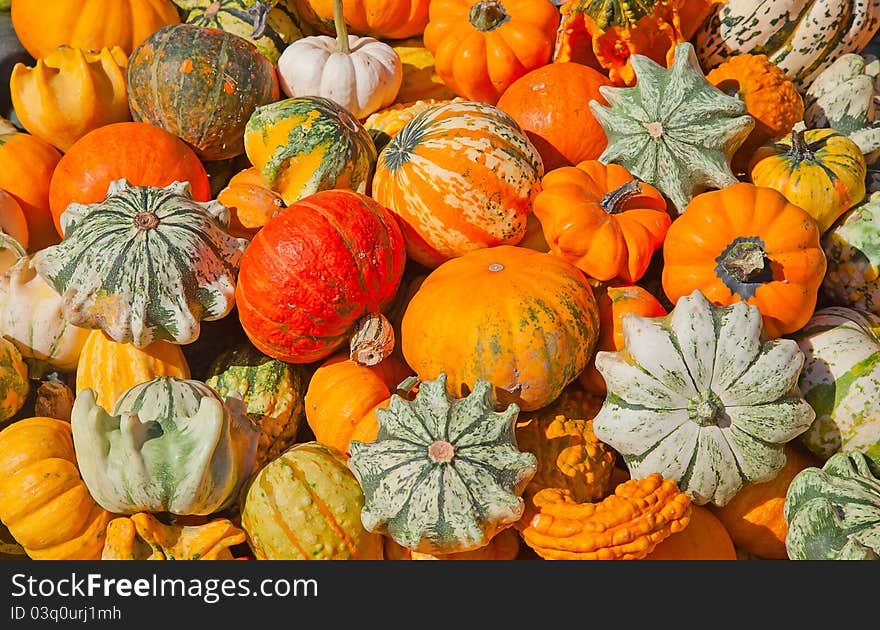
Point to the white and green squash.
(673, 129)
(701, 398)
(841, 381)
(144, 264)
(444, 475)
(833, 512)
(852, 252)
(14, 384)
(802, 37)
(169, 445)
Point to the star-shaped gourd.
(673, 129)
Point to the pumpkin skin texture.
(196, 464)
(820, 170)
(14, 385)
(165, 296)
(141, 153)
(306, 505)
(833, 512)
(459, 177)
(43, 500)
(523, 320)
(410, 491)
(223, 69)
(700, 397)
(853, 257)
(313, 270)
(251, 203)
(382, 19)
(144, 537)
(480, 48)
(89, 24)
(551, 104)
(704, 538)
(747, 243)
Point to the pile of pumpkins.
(439, 279)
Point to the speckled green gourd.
(144, 264)
(833, 512)
(14, 384)
(699, 397)
(169, 445)
(444, 475)
(673, 129)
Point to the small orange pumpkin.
(251, 202)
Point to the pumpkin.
(481, 47)
(802, 37)
(504, 546)
(306, 505)
(754, 518)
(43, 500)
(71, 92)
(704, 538)
(700, 397)
(840, 380)
(141, 153)
(444, 474)
(833, 512)
(168, 445)
(110, 368)
(387, 122)
(458, 177)
(144, 537)
(32, 318)
(673, 129)
(14, 385)
(602, 220)
(27, 165)
(747, 243)
(273, 393)
(308, 144)
(770, 97)
(225, 75)
(853, 258)
(138, 289)
(523, 320)
(819, 170)
(550, 103)
(11, 53)
(313, 270)
(13, 223)
(382, 19)
(251, 203)
(420, 80)
(362, 74)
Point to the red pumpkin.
(314, 269)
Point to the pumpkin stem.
(800, 151)
(706, 408)
(146, 220)
(372, 341)
(613, 202)
(441, 452)
(488, 15)
(259, 11)
(341, 29)
(745, 261)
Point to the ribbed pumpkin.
(306, 505)
(523, 320)
(139, 289)
(313, 270)
(110, 368)
(304, 145)
(144, 537)
(43, 500)
(14, 385)
(387, 123)
(273, 393)
(250, 201)
(459, 177)
(224, 75)
(853, 256)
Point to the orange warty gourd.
(250, 201)
(704, 538)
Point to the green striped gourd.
(802, 37)
(841, 381)
(852, 251)
(306, 505)
(169, 445)
(444, 475)
(833, 512)
(673, 129)
(32, 317)
(144, 264)
(14, 385)
(273, 393)
(699, 397)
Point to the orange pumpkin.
(382, 19)
(747, 243)
(481, 47)
(704, 538)
(601, 219)
(12, 219)
(250, 201)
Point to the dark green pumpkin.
(201, 84)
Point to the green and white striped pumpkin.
(699, 397)
(802, 37)
(444, 475)
(852, 252)
(14, 384)
(673, 129)
(169, 445)
(833, 512)
(144, 264)
(841, 381)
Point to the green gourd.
(14, 384)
